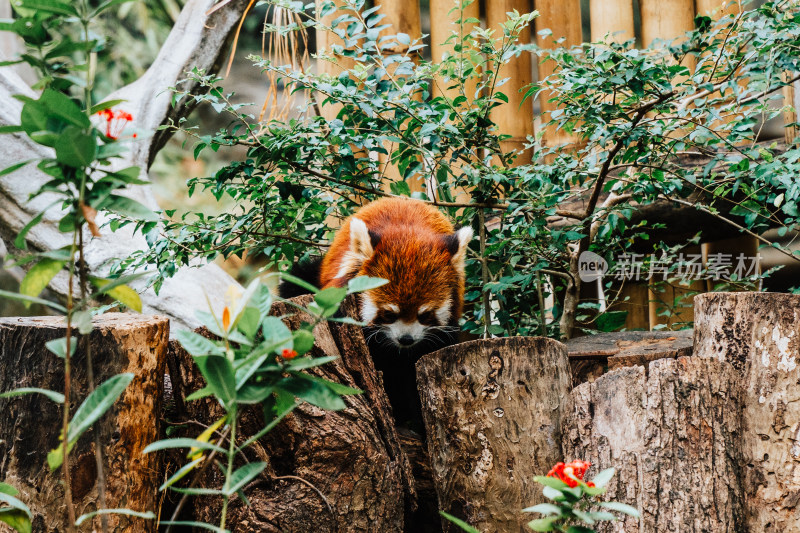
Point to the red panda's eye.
(386, 317)
(427, 318)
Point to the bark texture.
(591, 356)
(673, 436)
(328, 471)
(492, 411)
(759, 334)
(32, 423)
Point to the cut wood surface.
(593, 355)
(759, 334)
(492, 411)
(31, 424)
(673, 437)
(327, 471)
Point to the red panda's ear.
(360, 240)
(457, 245)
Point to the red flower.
(288, 354)
(567, 472)
(115, 122)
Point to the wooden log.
(593, 355)
(613, 17)
(32, 424)
(327, 471)
(514, 118)
(672, 435)
(492, 411)
(757, 333)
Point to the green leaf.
(312, 392)
(197, 345)
(249, 322)
(17, 519)
(276, 333)
(611, 320)
(13, 501)
(108, 104)
(53, 395)
(10, 129)
(50, 6)
(5, 488)
(303, 341)
(580, 529)
(553, 494)
(253, 393)
(242, 476)
(168, 444)
(543, 524)
(297, 281)
(82, 320)
(338, 388)
(364, 283)
(621, 508)
(543, 508)
(120, 292)
(460, 523)
(12, 168)
(301, 363)
(122, 205)
(39, 276)
(177, 476)
(549, 481)
(602, 478)
(106, 5)
(24, 298)
(20, 242)
(584, 516)
(56, 455)
(75, 148)
(97, 403)
(331, 297)
(201, 525)
(201, 393)
(149, 515)
(219, 375)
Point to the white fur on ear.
(360, 248)
(360, 241)
(464, 236)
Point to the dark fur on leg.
(308, 271)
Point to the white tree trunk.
(197, 40)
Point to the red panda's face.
(425, 290)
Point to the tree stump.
(31, 423)
(758, 334)
(327, 471)
(492, 411)
(593, 355)
(673, 436)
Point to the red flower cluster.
(566, 472)
(115, 122)
(288, 354)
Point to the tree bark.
(492, 411)
(757, 333)
(32, 424)
(673, 437)
(328, 471)
(593, 355)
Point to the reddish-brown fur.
(410, 241)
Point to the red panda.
(411, 244)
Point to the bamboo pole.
(613, 17)
(445, 15)
(665, 19)
(563, 18)
(324, 41)
(404, 17)
(514, 118)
